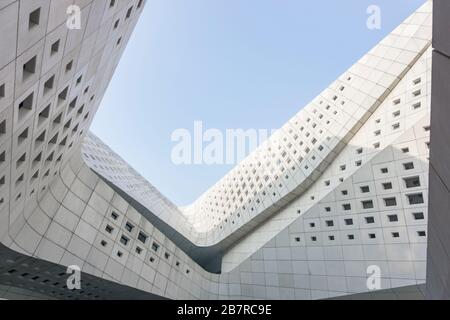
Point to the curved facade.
(340, 188)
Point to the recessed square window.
(396, 126)
(109, 229)
(376, 145)
(116, 24)
(2, 91)
(34, 18)
(55, 47)
(138, 250)
(112, 3)
(390, 202)
(393, 218)
(130, 10)
(365, 189)
(405, 150)
(395, 235)
(418, 216)
(358, 163)
(384, 170)
(372, 236)
(140, 3)
(331, 238)
(370, 220)
(155, 247)
(313, 239)
(330, 223)
(416, 93)
(344, 192)
(412, 182)
(348, 222)
(142, 237)
(415, 198)
(397, 102)
(347, 207)
(297, 239)
(26, 106)
(408, 166)
(368, 204)
(69, 66)
(396, 114)
(48, 85)
(124, 240)
(417, 81)
(29, 68)
(129, 227)
(312, 224)
(327, 209)
(387, 185)
(416, 105)
(350, 237)
(421, 233)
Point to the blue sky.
(231, 64)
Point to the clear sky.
(231, 64)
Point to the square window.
(415, 198)
(412, 182)
(327, 209)
(348, 222)
(312, 224)
(370, 220)
(365, 189)
(109, 229)
(48, 85)
(129, 227)
(330, 223)
(387, 185)
(26, 106)
(421, 233)
(69, 66)
(114, 215)
(124, 240)
(344, 192)
(142, 237)
(29, 68)
(390, 202)
(384, 170)
(405, 150)
(416, 105)
(372, 236)
(350, 237)
(34, 18)
(395, 235)
(129, 12)
(138, 250)
(347, 207)
(331, 238)
(408, 166)
(155, 247)
(112, 3)
(2, 91)
(418, 216)
(368, 204)
(55, 47)
(393, 218)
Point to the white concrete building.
(340, 189)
